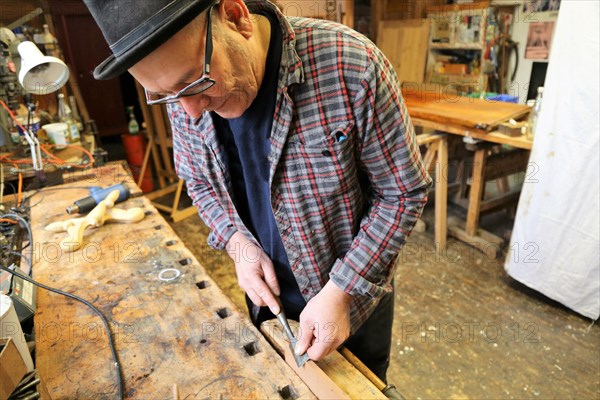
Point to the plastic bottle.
(133, 126)
(534, 114)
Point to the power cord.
(111, 343)
(19, 219)
(30, 236)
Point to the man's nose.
(194, 105)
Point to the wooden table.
(476, 119)
(172, 324)
(494, 136)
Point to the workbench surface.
(181, 330)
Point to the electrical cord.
(26, 224)
(47, 189)
(111, 343)
(14, 218)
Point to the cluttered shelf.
(17, 174)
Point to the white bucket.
(10, 327)
(58, 133)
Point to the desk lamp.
(41, 75)
(37, 74)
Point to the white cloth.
(555, 244)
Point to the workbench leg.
(441, 194)
(177, 195)
(476, 194)
(146, 159)
(429, 157)
(461, 179)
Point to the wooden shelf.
(455, 46)
(463, 29)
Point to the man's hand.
(255, 272)
(325, 322)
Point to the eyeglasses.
(196, 87)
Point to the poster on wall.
(539, 39)
(533, 6)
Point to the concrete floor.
(463, 328)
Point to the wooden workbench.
(476, 119)
(180, 330)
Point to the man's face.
(180, 61)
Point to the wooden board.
(520, 142)
(182, 331)
(334, 377)
(404, 43)
(454, 110)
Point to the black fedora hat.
(135, 28)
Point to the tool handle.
(286, 326)
(100, 194)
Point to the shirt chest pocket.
(322, 163)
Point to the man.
(297, 149)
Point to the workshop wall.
(12, 10)
(521, 30)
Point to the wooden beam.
(441, 194)
(348, 19)
(503, 200)
(486, 242)
(476, 192)
(150, 132)
(494, 136)
(506, 163)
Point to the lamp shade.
(40, 74)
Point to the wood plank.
(331, 378)
(182, 331)
(183, 214)
(427, 138)
(503, 200)
(404, 43)
(486, 242)
(506, 163)
(449, 8)
(460, 111)
(520, 142)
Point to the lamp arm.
(34, 145)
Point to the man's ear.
(235, 14)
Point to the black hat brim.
(151, 38)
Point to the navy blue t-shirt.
(246, 140)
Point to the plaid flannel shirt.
(347, 180)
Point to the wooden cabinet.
(84, 48)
